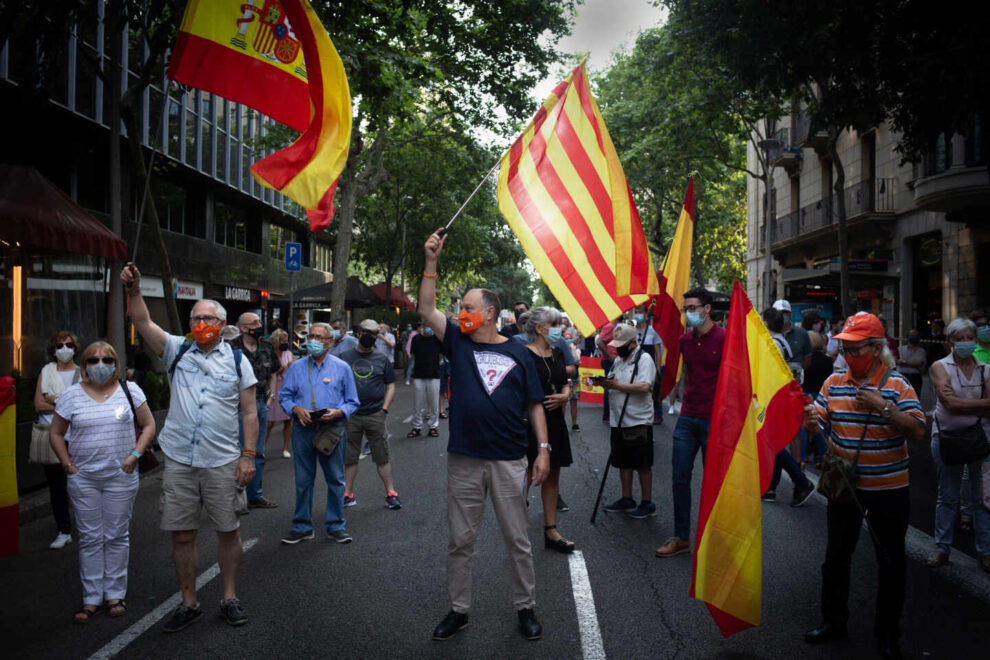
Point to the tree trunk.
(342, 247)
(137, 165)
(845, 286)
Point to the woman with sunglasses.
(99, 463)
(55, 377)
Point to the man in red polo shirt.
(701, 350)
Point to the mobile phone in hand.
(315, 415)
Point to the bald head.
(248, 319)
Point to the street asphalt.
(382, 595)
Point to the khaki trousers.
(469, 482)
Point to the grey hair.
(959, 325)
(541, 316)
(885, 355)
(220, 312)
(325, 326)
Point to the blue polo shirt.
(491, 387)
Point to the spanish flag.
(668, 320)
(760, 409)
(277, 58)
(563, 192)
(9, 509)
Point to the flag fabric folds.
(562, 190)
(9, 509)
(760, 407)
(668, 320)
(277, 58)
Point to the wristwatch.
(888, 411)
(544, 445)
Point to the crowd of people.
(507, 426)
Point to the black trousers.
(59, 492)
(887, 512)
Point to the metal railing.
(942, 156)
(870, 196)
(782, 140)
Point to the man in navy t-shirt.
(494, 388)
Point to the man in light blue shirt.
(204, 464)
(342, 342)
(318, 382)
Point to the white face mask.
(64, 354)
(100, 373)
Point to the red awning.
(36, 214)
(399, 298)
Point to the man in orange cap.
(869, 405)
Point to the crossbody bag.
(327, 436)
(40, 449)
(966, 445)
(148, 460)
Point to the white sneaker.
(60, 541)
(286, 454)
(670, 411)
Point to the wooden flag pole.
(151, 163)
(470, 197)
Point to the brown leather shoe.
(936, 559)
(674, 546)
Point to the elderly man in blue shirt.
(319, 382)
(204, 463)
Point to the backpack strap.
(237, 362)
(186, 345)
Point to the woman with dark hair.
(99, 463)
(55, 377)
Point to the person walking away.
(56, 376)
(701, 353)
(204, 463)
(375, 382)
(630, 381)
(425, 350)
(881, 418)
(544, 329)
(280, 342)
(960, 384)
(317, 391)
(99, 464)
(818, 370)
(911, 360)
(495, 387)
(265, 364)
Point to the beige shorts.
(373, 425)
(187, 491)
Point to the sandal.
(433, 433)
(116, 608)
(85, 613)
(443, 415)
(415, 433)
(561, 545)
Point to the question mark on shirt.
(491, 373)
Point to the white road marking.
(584, 603)
(118, 643)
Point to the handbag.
(41, 450)
(327, 435)
(148, 460)
(966, 445)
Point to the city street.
(381, 595)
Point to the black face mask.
(283, 347)
(624, 351)
(367, 341)
(257, 333)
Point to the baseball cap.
(861, 326)
(782, 305)
(623, 335)
(369, 325)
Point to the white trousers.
(426, 402)
(103, 506)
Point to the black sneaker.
(182, 617)
(575, 427)
(450, 626)
(621, 505)
(528, 625)
(802, 494)
(294, 537)
(561, 504)
(644, 510)
(233, 611)
(769, 496)
(340, 536)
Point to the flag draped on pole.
(277, 58)
(760, 407)
(562, 190)
(668, 320)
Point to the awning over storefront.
(39, 216)
(357, 294)
(398, 299)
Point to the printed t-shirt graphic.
(493, 367)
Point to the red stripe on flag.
(786, 408)
(320, 217)
(581, 162)
(667, 323)
(640, 259)
(584, 94)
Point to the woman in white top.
(55, 377)
(961, 386)
(280, 340)
(103, 483)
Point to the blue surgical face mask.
(336, 333)
(554, 334)
(983, 333)
(100, 373)
(694, 319)
(964, 349)
(639, 318)
(428, 332)
(315, 348)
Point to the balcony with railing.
(802, 133)
(954, 175)
(870, 201)
(783, 153)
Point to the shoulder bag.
(40, 450)
(966, 445)
(327, 436)
(148, 460)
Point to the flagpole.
(447, 226)
(151, 163)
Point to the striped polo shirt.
(883, 463)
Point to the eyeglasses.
(855, 351)
(208, 320)
(67, 344)
(692, 308)
(96, 360)
(316, 337)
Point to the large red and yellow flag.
(760, 407)
(276, 57)
(9, 509)
(668, 320)
(563, 192)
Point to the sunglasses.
(67, 344)
(96, 360)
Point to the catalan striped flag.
(9, 509)
(760, 409)
(562, 190)
(668, 320)
(276, 57)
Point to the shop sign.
(236, 293)
(868, 265)
(151, 287)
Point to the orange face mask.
(469, 322)
(204, 333)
